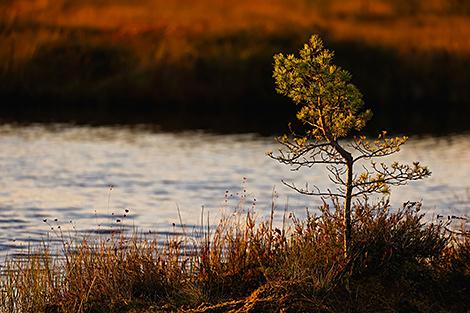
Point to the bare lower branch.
(301, 153)
(316, 192)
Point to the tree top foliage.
(331, 105)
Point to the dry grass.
(433, 27)
(158, 61)
(398, 263)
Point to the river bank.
(209, 66)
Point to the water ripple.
(65, 173)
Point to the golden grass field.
(375, 22)
(57, 55)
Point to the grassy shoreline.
(154, 62)
(398, 264)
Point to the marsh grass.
(398, 264)
(152, 60)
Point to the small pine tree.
(330, 108)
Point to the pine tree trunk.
(347, 210)
(348, 197)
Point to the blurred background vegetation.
(208, 63)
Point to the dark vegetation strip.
(224, 83)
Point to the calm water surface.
(62, 175)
